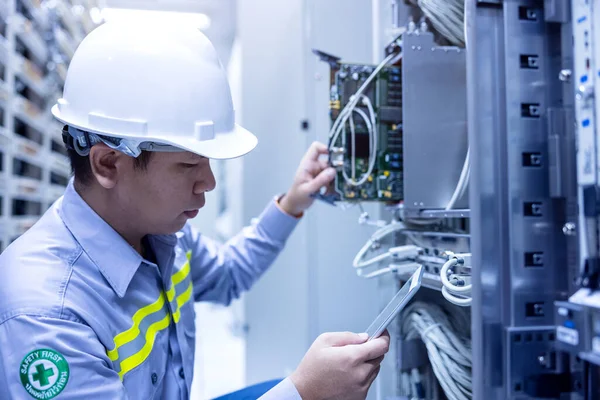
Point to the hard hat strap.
(82, 141)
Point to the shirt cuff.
(285, 390)
(276, 223)
(277, 199)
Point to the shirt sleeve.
(283, 391)
(43, 358)
(221, 272)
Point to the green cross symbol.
(42, 374)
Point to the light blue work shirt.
(84, 316)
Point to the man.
(97, 296)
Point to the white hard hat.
(150, 86)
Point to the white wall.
(273, 104)
(312, 287)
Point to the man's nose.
(206, 181)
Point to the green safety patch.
(44, 373)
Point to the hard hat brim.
(225, 145)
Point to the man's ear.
(106, 164)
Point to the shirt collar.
(115, 258)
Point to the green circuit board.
(385, 183)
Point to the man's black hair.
(82, 169)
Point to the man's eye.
(185, 165)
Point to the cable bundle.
(447, 18)
(446, 337)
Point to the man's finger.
(366, 374)
(323, 164)
(374, 348)
(342, 338)
(323, 179)
(372, 376)
(385, 334)
(315, 167)
(376, 361)
(315, 150)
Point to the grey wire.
(446, 16)
(447, 345)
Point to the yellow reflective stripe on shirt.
(130, 334)
(179, 276)
(150, 336)
(181, 300)
(133, 361)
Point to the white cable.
(429, 329)
(399, 253)
(446, 16)
(346, 113)
(454, 380)
(373, 137)
(444, 276)
(353, 141)
(373, 240)
(465, 173)
(458, 295)
(369, 122)
(404, 268)
(401, 258)
(347, 110)
(374, 260)
(448, 353)
(462, 184)
(458, 301)
(365, 219)
(466, 180)
(449, 19)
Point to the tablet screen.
(398, 302)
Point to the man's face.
(162, 197)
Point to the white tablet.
(398, 302)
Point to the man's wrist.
(287, 208)
(301, 387)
